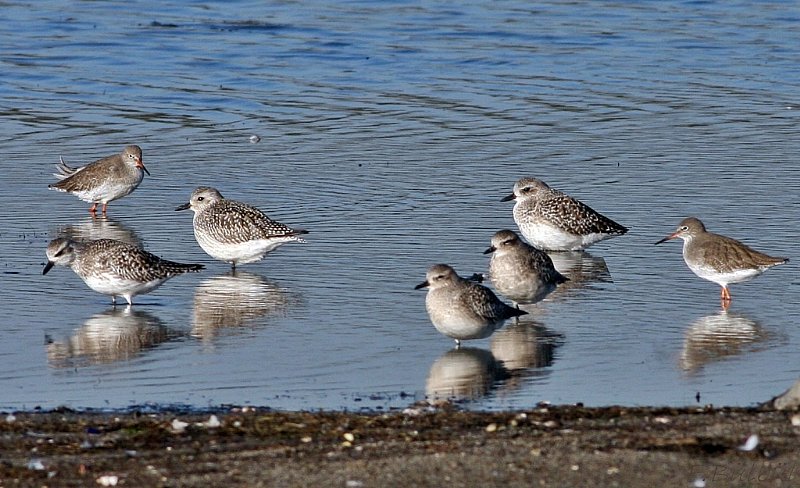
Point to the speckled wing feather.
(486, 304)
(131, 263)
(577, 217)
(541, 261)
(728, 254)
(233, 222)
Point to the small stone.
(35, 465)
(354, 483)
(796, 419)
(575, 467)
(349, 437)
(213, 422)
(536, 452)
(305, 440)
(612, 470)
(179, 426)
(699, 483)
(108, 480)
(10, 418)
(662, 420)
(750, 444)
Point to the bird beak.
(490, 250)
(510, 197)
(671, 236)
(140, 164)
(47, 267)
(183, 207)
(422, 285)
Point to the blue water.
(391, 130)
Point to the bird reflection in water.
(582, 269)
(465, 373)
(521, 350)
(524, 345)
(234, 300)
(118, 334)
(719, 336)
(93, 228)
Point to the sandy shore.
(546, 446)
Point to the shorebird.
(113, 267)
(104, 180)
(554, 221)
(520, 271)
(718, 258)
(462, 309)
(235, 232)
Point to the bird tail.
(180, 268)
(516, 312)
(295, 235)
(65, 170)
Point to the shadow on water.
(118, 334)
(237, 299)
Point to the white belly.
(550, 238)
(725, 279)
(115, 286)
(458, 328)
(240, 253)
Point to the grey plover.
(113, 267)
(104, 180)
(553, 221)
(235, 232)
(520, 271)
(462, 309)
(718, 258)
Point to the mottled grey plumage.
(520, 271)
(462, 309)
(719, 258)
(104, 180)
(114, 268)
(235, 232)
(553, 221)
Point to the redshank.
(718, 258)
(104, 180)
(235, 232)
(554, 221)
(114, 267)
(462, 309)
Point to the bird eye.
(685, 227)
(200, 199)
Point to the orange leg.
(725, 296)
(105, 206)
(93, 209)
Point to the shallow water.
(391, 131)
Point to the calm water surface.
(391, 130)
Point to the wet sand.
(546, 446)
